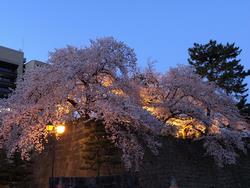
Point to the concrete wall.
(34, 63)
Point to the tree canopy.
(103, 83)
(220, 64)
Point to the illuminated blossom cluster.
(196, 109)
(74, 84)
(102, 83)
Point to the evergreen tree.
(98, 151)
(220, 64)
(14, 170)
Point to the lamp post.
(54, 131)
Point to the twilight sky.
(160, 30)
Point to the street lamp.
(60, 129)
(54, 131)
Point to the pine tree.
(14, 170)
(98, 151)
(220, 64)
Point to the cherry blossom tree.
(197, 109)
(91, 83)
(102, 83)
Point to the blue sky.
(160, 30)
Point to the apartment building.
(11, 67)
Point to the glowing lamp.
(55, 129)
(59, 129)
(50, 128)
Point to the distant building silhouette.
(34, 63)
(11, 67)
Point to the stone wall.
(118, 181)
(182, 160)
(4, 186)
(68, 158)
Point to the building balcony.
(5, 74)
(7, 84)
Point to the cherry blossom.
(102, 82)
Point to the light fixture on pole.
(54, 131)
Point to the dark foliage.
(219, 63)
(14, 170)
(98, 151)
